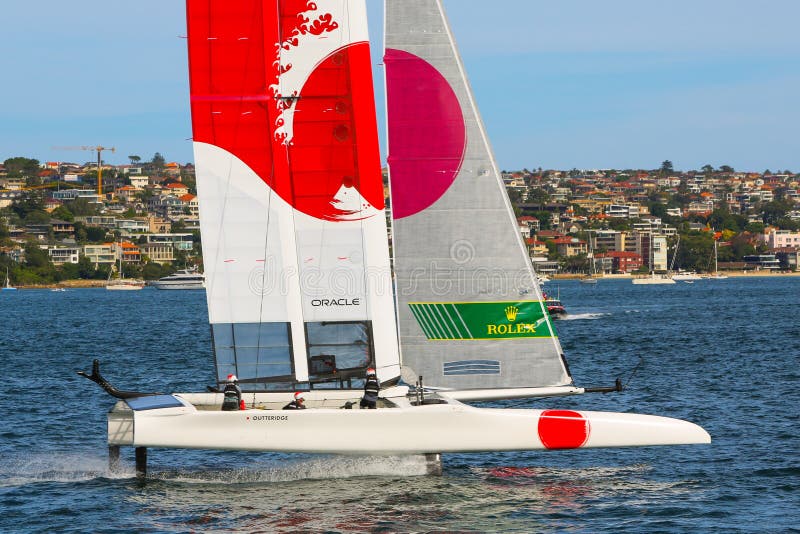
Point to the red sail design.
(303, 144)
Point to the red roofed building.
(190, 203)
(176, 188)
(549, 234)
(127, 192)
(570, 246)
(622, 262)
(536, 247)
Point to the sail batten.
(466, 289)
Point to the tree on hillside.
(694, 251)
(21, 167)
(726, 168)
(158, 161)
(35, 256)
(708, 169)
(772, 212)
(722, 219)
(537, 195)
(134, 159)
(81, 206)
(31, 202)
(666, 168)
(578, 263)
(63, 213)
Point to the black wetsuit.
(294, 405)
(232, 397)
(371, 389)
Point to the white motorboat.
(182, 279)
(653, 279)
(298, 280)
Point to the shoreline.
(732, 274)
(84, 284)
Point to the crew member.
(297, 403)
(371, 389)
(232, 394)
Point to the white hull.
(178, 285)
(686, 277)
(124, 287)
(402, 429)
(653, 280)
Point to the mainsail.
(291, 197)
(471, 315)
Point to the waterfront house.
(61, 255)
(570, 246)
(158, 252)
(100, 254)
(621, 261)
(775, 238)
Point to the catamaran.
(299, 285)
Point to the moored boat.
(182, 279)
(7, 286)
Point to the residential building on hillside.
(61, 255)
(621, 261)
(180, 241)
(762, 261)
(570, 246)
(158, 252)
(102, 221)
(133, 226)
(608, 240)
(775, 238)
(100, 254)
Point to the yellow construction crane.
(99, 150)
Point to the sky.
(560, 85)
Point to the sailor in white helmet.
(371, 389)
(232, 394)
(297, 403)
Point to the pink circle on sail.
(563, 429)
(427, 133)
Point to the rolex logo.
(511, 313)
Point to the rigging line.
(636, 368)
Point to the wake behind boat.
(300, 288)
(182, 279)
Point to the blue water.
(720, 353)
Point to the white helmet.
(232, 379)
(370, 371)
(299, 396)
